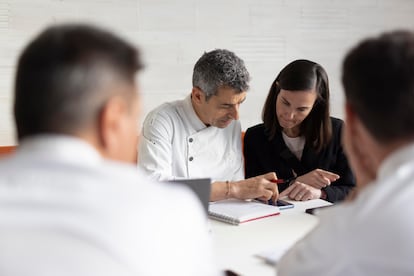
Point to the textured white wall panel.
(172, 35)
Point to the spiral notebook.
(235, 211)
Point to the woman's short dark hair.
(63, 77)
(302, 75)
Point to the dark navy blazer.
(263, 156)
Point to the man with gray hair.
(200, 136)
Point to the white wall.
(267, 34)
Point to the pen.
(278, 181)
(284, 181)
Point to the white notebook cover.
(239, 211)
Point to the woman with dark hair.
(298, 139)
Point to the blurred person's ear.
(117, 129)
(359, 146)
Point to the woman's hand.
(300, 191)
(318, 178)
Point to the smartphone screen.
(283, 204)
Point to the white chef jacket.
(175, 143)
(370, 236)
(64, 210)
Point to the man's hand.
(260, 187)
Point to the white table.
(236, 246)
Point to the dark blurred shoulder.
(337, 124)
(256, 129)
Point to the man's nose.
(235, 112)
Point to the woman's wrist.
(291, 180)
(323, 194)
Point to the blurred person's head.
(79, 80)
(378, 79)
(220, 84)
(298, 103)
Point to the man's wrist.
(227, 189)
(232, 189)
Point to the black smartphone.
(312, 210)
(284, 204)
